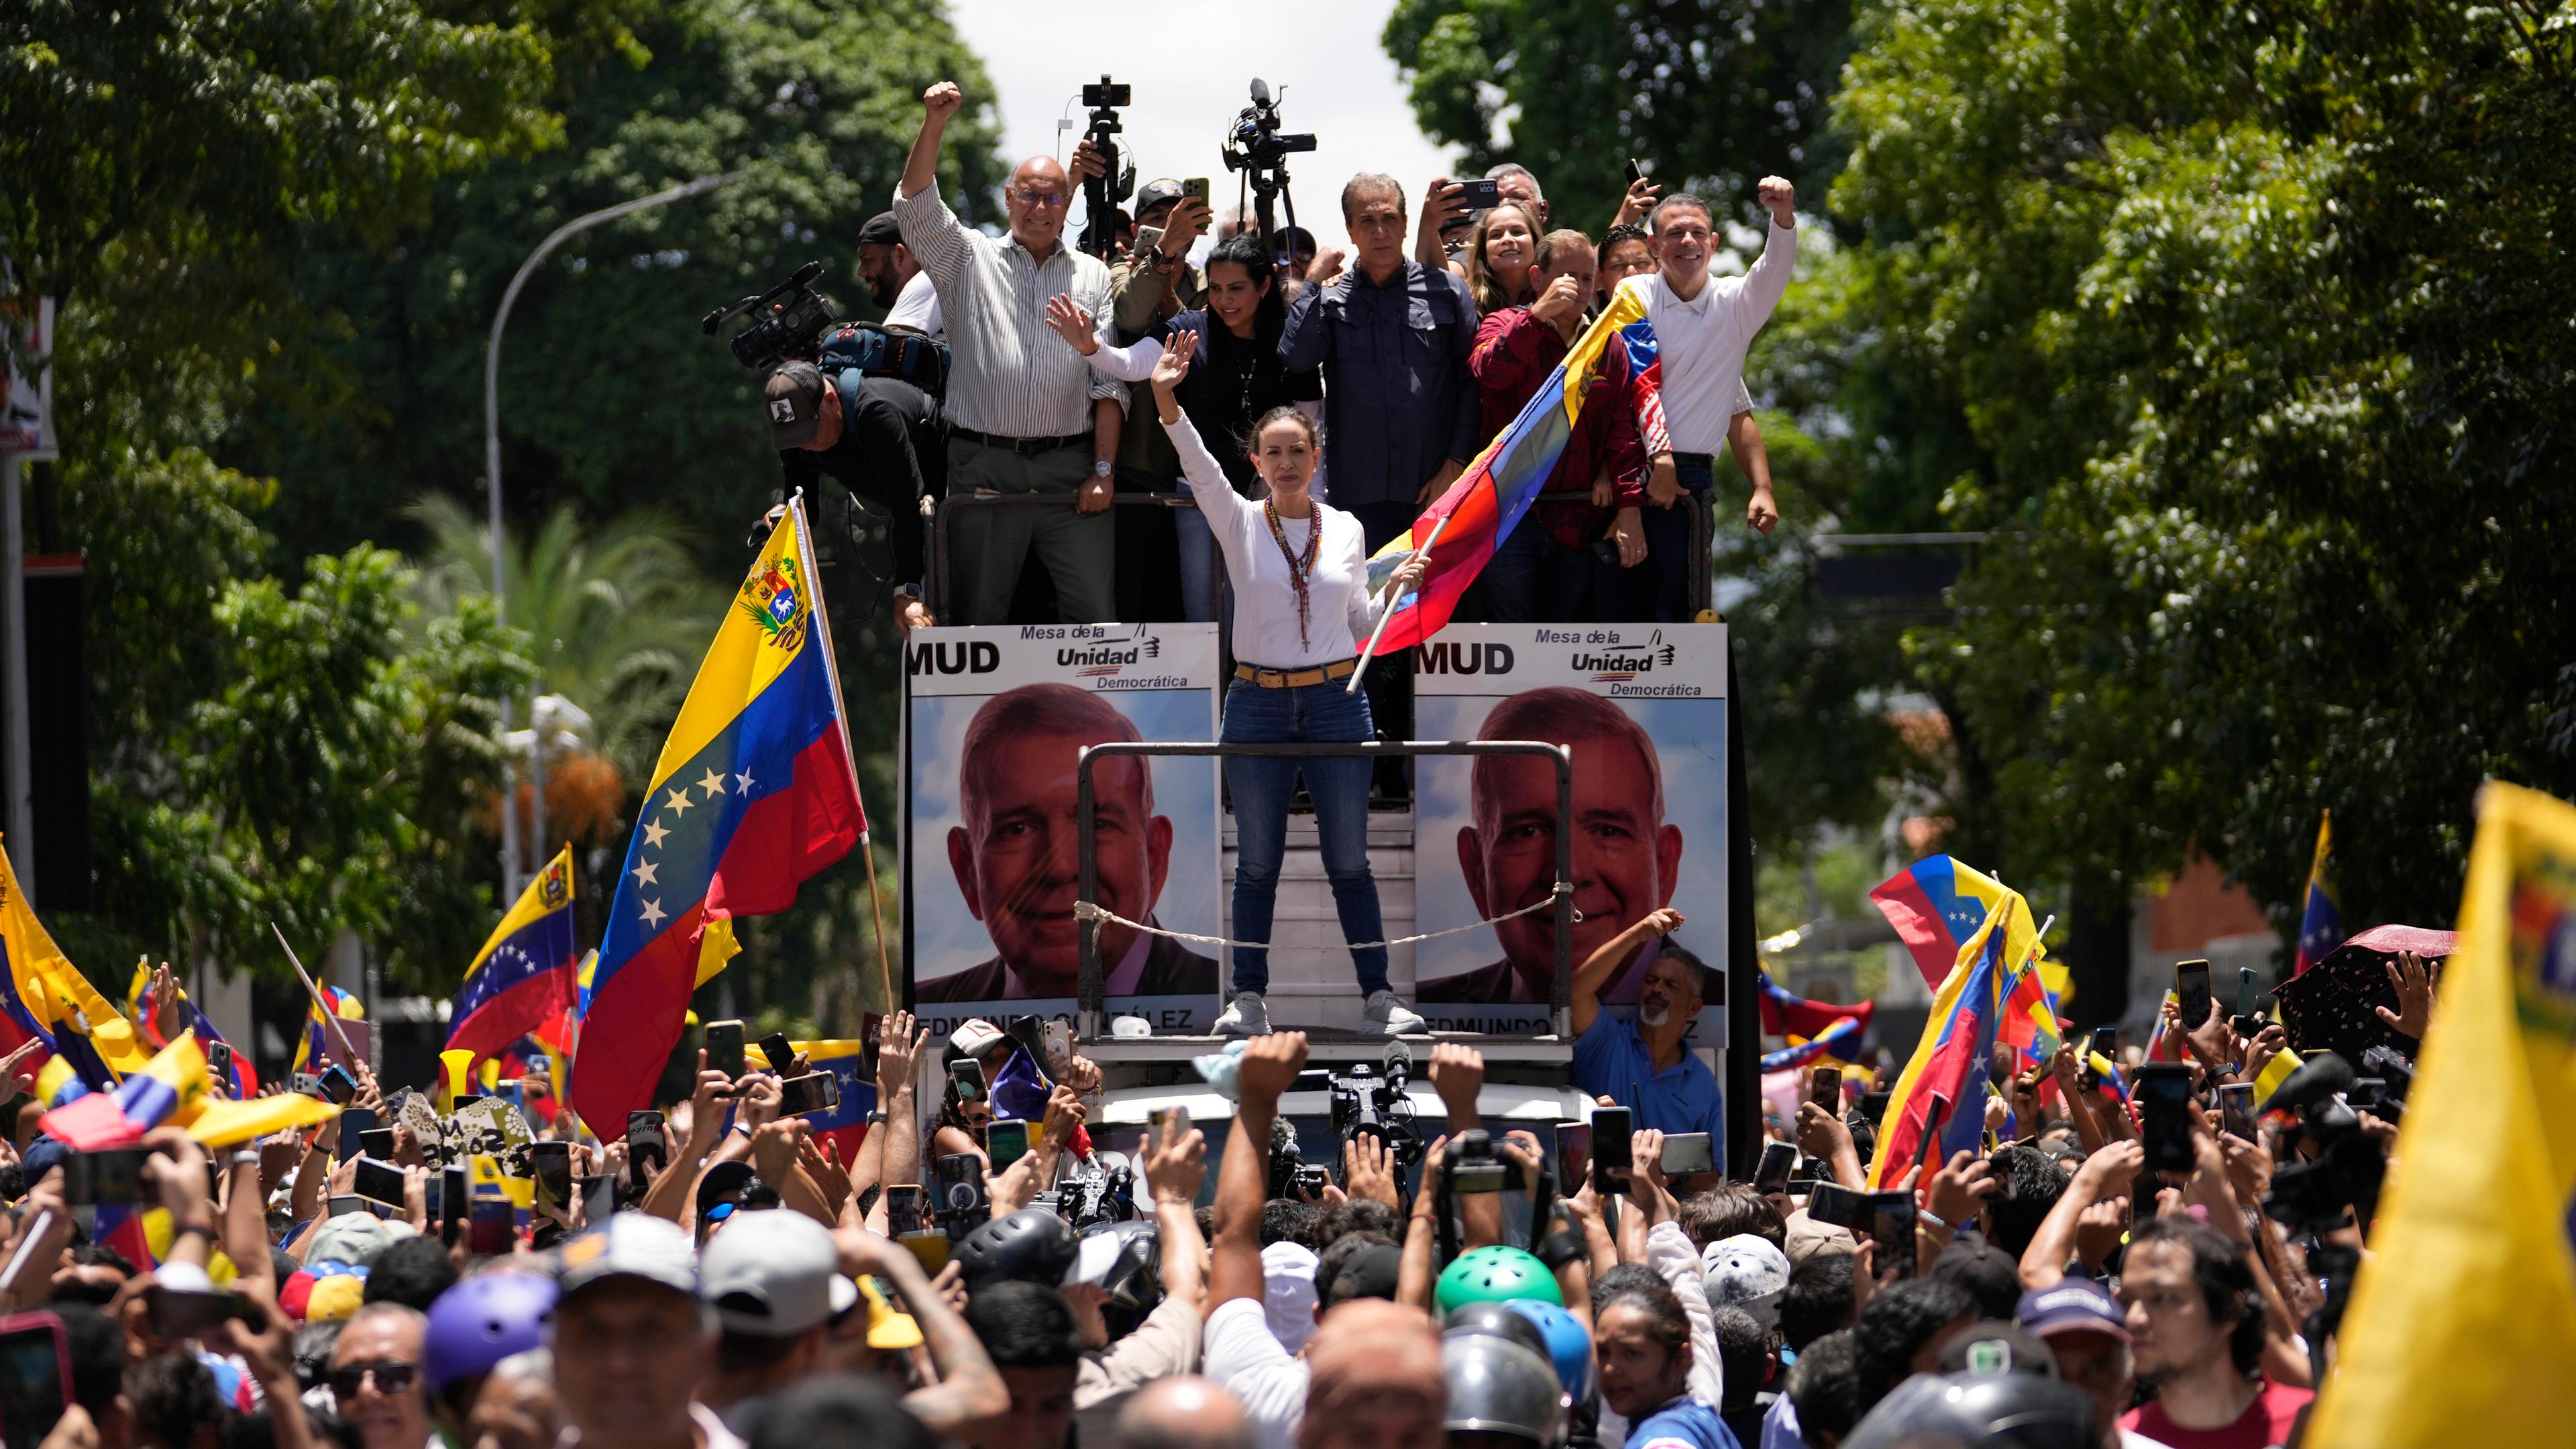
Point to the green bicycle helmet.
(1495, 1275)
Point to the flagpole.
(1423, 553)
(849, 754)
(332, 1018)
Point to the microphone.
(1260, 91)
(2319, 1077)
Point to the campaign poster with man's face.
(1643, 709)
(998, 717)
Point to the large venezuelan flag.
(754, 794)
(1957, 1047)
(1936, 904)
(2321, 923)
(1488, 499)
(522, 978)
(44, 996)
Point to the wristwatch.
(1100, 468)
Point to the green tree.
(1712, 94)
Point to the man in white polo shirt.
(1703, 325)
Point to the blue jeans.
(1198, 562)
(1668, 539)
(1262, 786)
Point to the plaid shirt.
(1514, 354)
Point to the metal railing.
(938, 568)
(1091, 1014)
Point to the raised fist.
(1779, 198)
(943, 100)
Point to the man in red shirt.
(1567, 562)
(2197, 1328)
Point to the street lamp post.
(492, 479)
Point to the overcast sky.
(1191, 65)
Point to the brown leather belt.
(1296, 678)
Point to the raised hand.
(1639, 200)
(1071, 323)
(1173, 367)
(942, 101)
(1958, 1190)
(1270, 1063)
(1779, 198)
(2413, 981)
(1088, 161)
(1175, 1164)
(1458, 1073)
(900, 1043)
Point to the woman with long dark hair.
(1234, 378)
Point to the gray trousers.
(990, 544)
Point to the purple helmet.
(482, 1321)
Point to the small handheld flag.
(2321, 922)
(522, 979)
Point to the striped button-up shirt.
(1009, 374)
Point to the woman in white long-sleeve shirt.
(1299, 569)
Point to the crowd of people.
(1407, 354)
(722, 1278)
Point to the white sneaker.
(1248, 1015)
(1389, 1016)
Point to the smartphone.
(1772, 1174)
(375, 1142)
(338, 1085)
(345, 1204)
(2164, 1116)
(1573, 1154)
(1831, 1202)
(112, 1176)
(2105, 1042)
(599, 1197)
(1059, 1047)
(1825, 1089)
(1686, 1154)
(187, 1312)
(550, 1163)
(35, 1376)
(812, 1092)
(779, 1050)
(904, 1203)
(1873, 1106)
(644, 1143)
(1891, 1226)
(1148, 238)
(379, 1182)
(2236, 1110)
(966, 1075)
(724, 1048)
(494, 1224)
(219, 1062)
(2245, 992)
(455, 1199)
(304, 1084)
(1006, 1142)
(1311, 1182)
(1483, 195)
(1195, 188)
(1611, 1149)
(961, 1204)
(2191, 991)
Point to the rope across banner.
(1093, 911)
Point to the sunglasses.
(391, 1378)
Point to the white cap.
(975, 1037)
(773, 1272)
(1748, 1273)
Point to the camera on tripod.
(1255, 146)
(788, 322)
(1102, 194)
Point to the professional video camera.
(1255, 146)
(791, 320)
(2344, 1168)
(1101, 195)
(1372, 1104)
(1101, 1191)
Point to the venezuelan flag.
(43, 995)
(2321, 927)
(2030, 1014)
(1957, 1047)
(1841, 1041)
(1936, 903)
(315, 1043)
(139, 1002)
(845, 1126)
(1480, 510)
(169, 1085)
(2460, 1321)
(1784, 1014)
(753, 795)
(522, 978)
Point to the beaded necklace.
(1299, 569)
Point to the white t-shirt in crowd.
(1245, 1356)
(917, 307)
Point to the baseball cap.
(334, 1298)
(794, 397)
(720, 1181)
(1749, 1273)
(1156, 193)
(294, 1292)
(1808, 1237)
(630, 1245)
(774, 1272)
(2075, 1305)
(1288, 1293)
(887, 1329)
(1369, 1273)
(975, 1036)
(353, 1238)
(882, 230)
(1292, 241)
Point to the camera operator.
(882, 438)
(1029, 417)
(896, 282)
